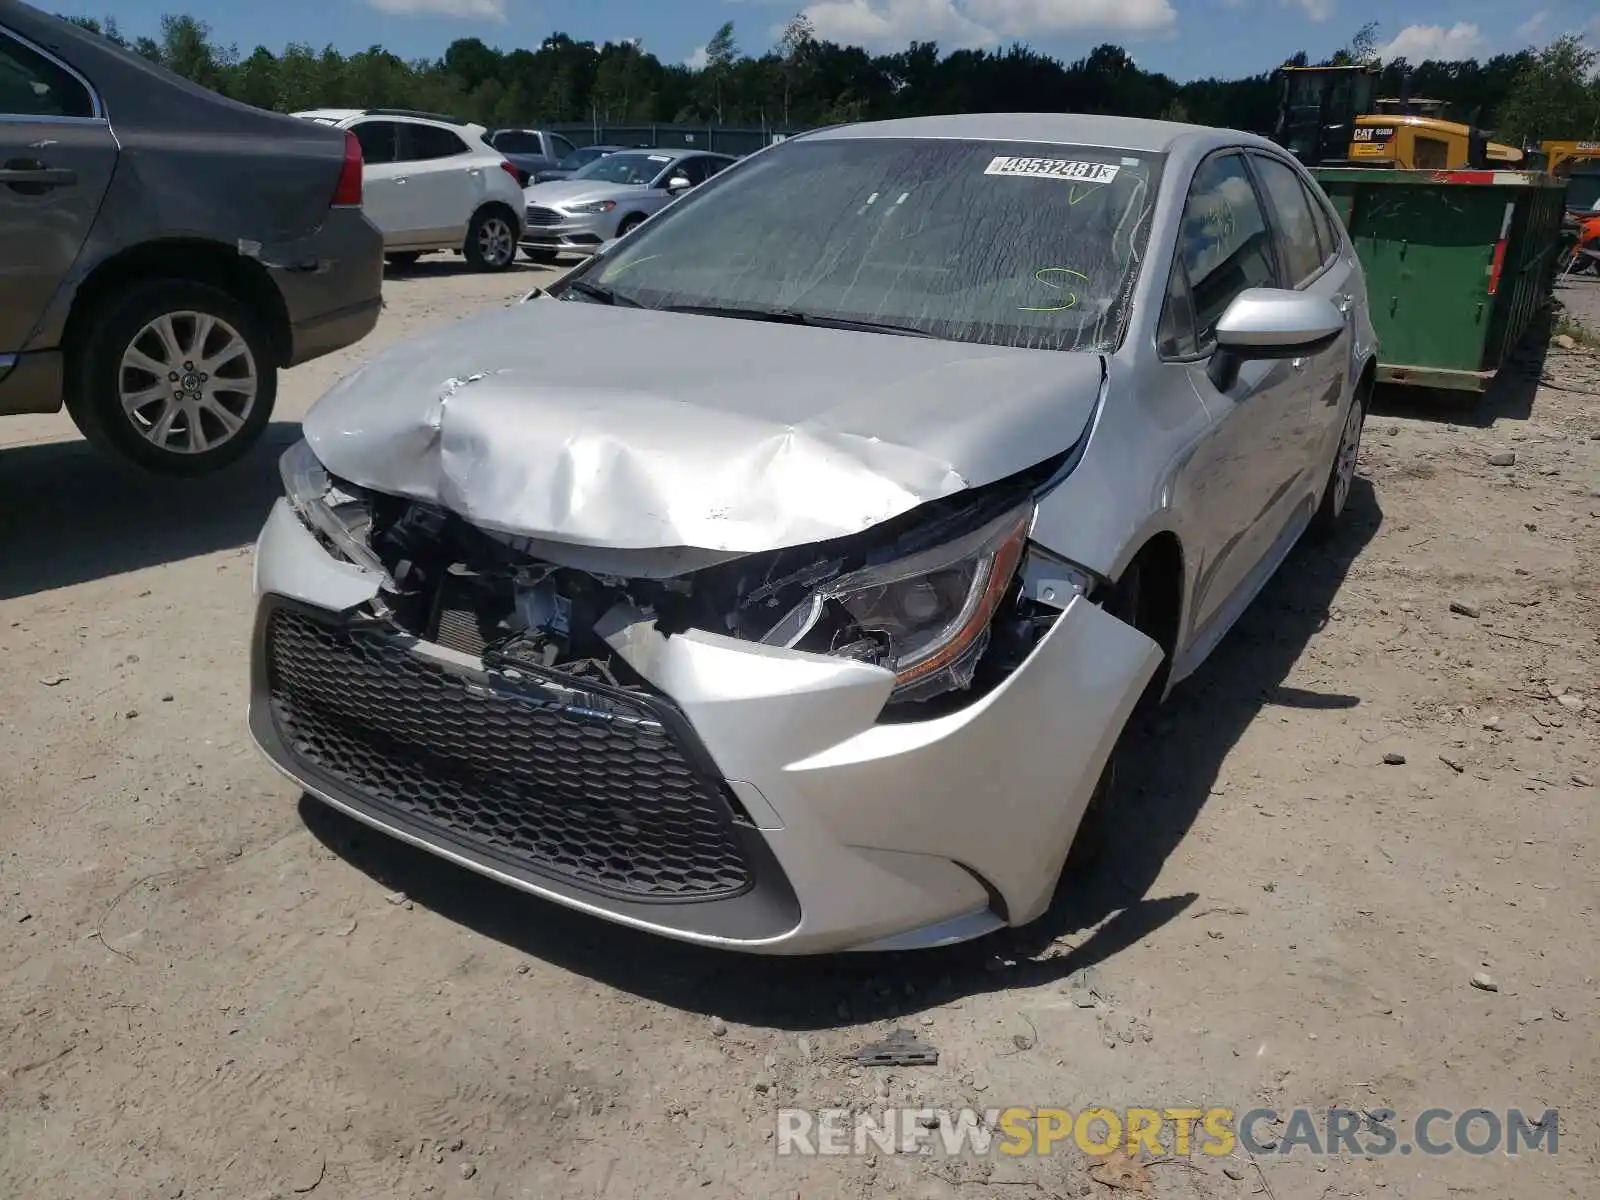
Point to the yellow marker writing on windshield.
(1071, 297)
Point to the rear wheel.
(491, 239)
(1342, 474)
(176, 376)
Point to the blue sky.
(1185, 38)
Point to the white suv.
(433, 183)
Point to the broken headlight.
(332, 510)
(924, 616)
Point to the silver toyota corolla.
(784, 578)
(608, 198)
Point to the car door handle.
(1299, 364)
(29, 175)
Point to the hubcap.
(187, 382)
(1349, 450)
(496, 241)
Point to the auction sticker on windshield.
(1053, 168)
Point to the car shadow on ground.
(69, 514)
(1159, 795)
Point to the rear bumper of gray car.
(334, 296)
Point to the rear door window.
(380, 141)
(1327, 228)
(31, 85)
(423, 142)
(559, 146)
(1291, 219)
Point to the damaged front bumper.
(755, 799)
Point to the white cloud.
(1418, 43)
(475, 10)
(957, 24)
(697, 60)
(1534, 25)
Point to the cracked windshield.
(1002, 243)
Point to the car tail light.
(512, 171)
(347, 192)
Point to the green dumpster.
(1458, 263)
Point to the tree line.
(806, 81)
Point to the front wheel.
(1342, 474)
(629, 224)
(177, 376)
(491, 239)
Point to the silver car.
(609, 197)
(784, 578)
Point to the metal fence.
(719, 139)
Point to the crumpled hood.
(636, 429)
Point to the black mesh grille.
(539, 215)
(612, 803)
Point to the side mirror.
(1271, 323)
(678, 183)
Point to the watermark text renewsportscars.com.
(1215, 1131)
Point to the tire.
(135, 342)
(491, 243)
(1342, 472)
(403, 260)
(545, 258)
(629, 224)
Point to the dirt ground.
(211, 987)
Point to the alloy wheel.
(1349, 451)
(496, 241)
(187, 382)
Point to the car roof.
(339, 116)
(672, 152)
(1077, 129)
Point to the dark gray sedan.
(165, 251)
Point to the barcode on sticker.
(1053, 168)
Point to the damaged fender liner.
(732, 887)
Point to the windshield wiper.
(786, 316)
(601, 295)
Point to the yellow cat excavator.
(1328, 117)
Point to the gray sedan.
(784, 578)
(608, 198)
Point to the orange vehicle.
(1584, 253)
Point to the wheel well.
(1369, 378)
(495, 206)
(190, 259)
(633, 218)
(1156, 607)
